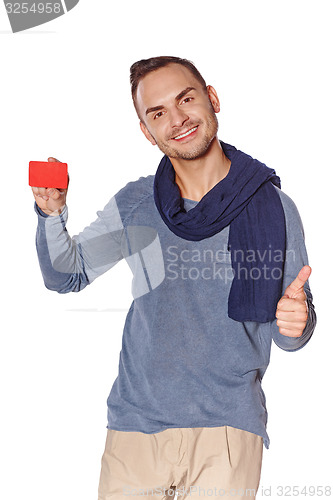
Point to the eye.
(157, 115)
(187, 99)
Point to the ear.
(147, 134)
(212, 94)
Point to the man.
(219, 270)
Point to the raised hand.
(292, 308)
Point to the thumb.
(297, 285)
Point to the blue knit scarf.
(247, 200)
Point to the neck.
(196, 177)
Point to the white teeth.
(186, 133)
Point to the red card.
(48, 174)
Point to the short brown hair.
(141, 68)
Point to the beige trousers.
(192, 463)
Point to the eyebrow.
(177, 98)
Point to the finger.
(52, 159)
(40, 192)
(299, 296)
(286, 304)
(299, 282)
(36, 190)
(294, 316)
(297, 325)
(40, 201)
(290, 333)
(55, 194)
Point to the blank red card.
(48, 174)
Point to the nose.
(178, 117)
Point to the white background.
(65, 93)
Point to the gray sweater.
(183, 362)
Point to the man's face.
(176, 112)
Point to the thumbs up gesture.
(292, 308)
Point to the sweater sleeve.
(69, 264)
(296, 258)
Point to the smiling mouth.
(186, 134)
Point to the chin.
(195, 151)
